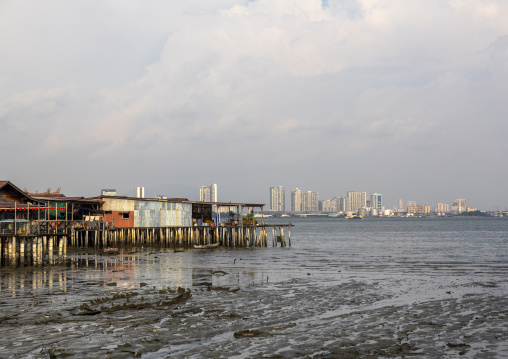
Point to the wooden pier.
(38, 228)
(51, 247)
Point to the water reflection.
(18, 282)
(161, 270)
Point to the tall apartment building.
(443, 208)
(329, 205)
(340, 204)
(418, 209)
(310, 201)
(376, 201)
(356, 200)
(208, 193)
(296, 200)
(314, 200)
(277, 199)
(459, 206)
(139, 192)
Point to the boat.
(353, 216)
(206, 246)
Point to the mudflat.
(157, 305)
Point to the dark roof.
(23, 194)
(144, 199)
(67, 199)
(230, 204)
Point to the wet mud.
(141, 306)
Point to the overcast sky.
(405, 98)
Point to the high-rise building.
(139, 192)
(296, 200)
(410, 204)
(305, 201)
(314, 201)
(213, 192)
(208, 193)
(310, 201)
(376, 201)
(356, 200)
(340, 203)
(277, 199)
(418, 209)
(401, 203)
(443, 208)
(459, 206)
(329, 205)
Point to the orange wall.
(115, 219)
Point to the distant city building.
(459, 206)
(376, 201)
(329, 205)
(310, 201)
(401, 203)
(296, 200)
(418, 209)
(208, 193)
(139, 192)
(277, 199)
(340, 204)
(108, 192)
(356, 200)
(410, 204)
(443, 208)
(314, 199)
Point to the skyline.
(403, 99)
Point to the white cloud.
(145, 81)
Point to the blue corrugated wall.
(162, 214)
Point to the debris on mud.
(247, 333)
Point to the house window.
(125, 215)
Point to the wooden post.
(289, 235)
(50, 250)
(60, 249)
(15, 215)
(39, 251)
(22, 252)
(34, 252)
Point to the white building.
(376, 202)
(296, 200)
(139, 192)
(208, 193)
(459, 206)
(310, 201)
(329, 205)
(356, 200)
(277, 199)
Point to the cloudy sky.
(404, 98)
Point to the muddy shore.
(114, 307)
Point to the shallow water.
(345, 289)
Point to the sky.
(403, 98)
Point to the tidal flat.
(374, 289)
(106, 310)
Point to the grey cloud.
(253, 94)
